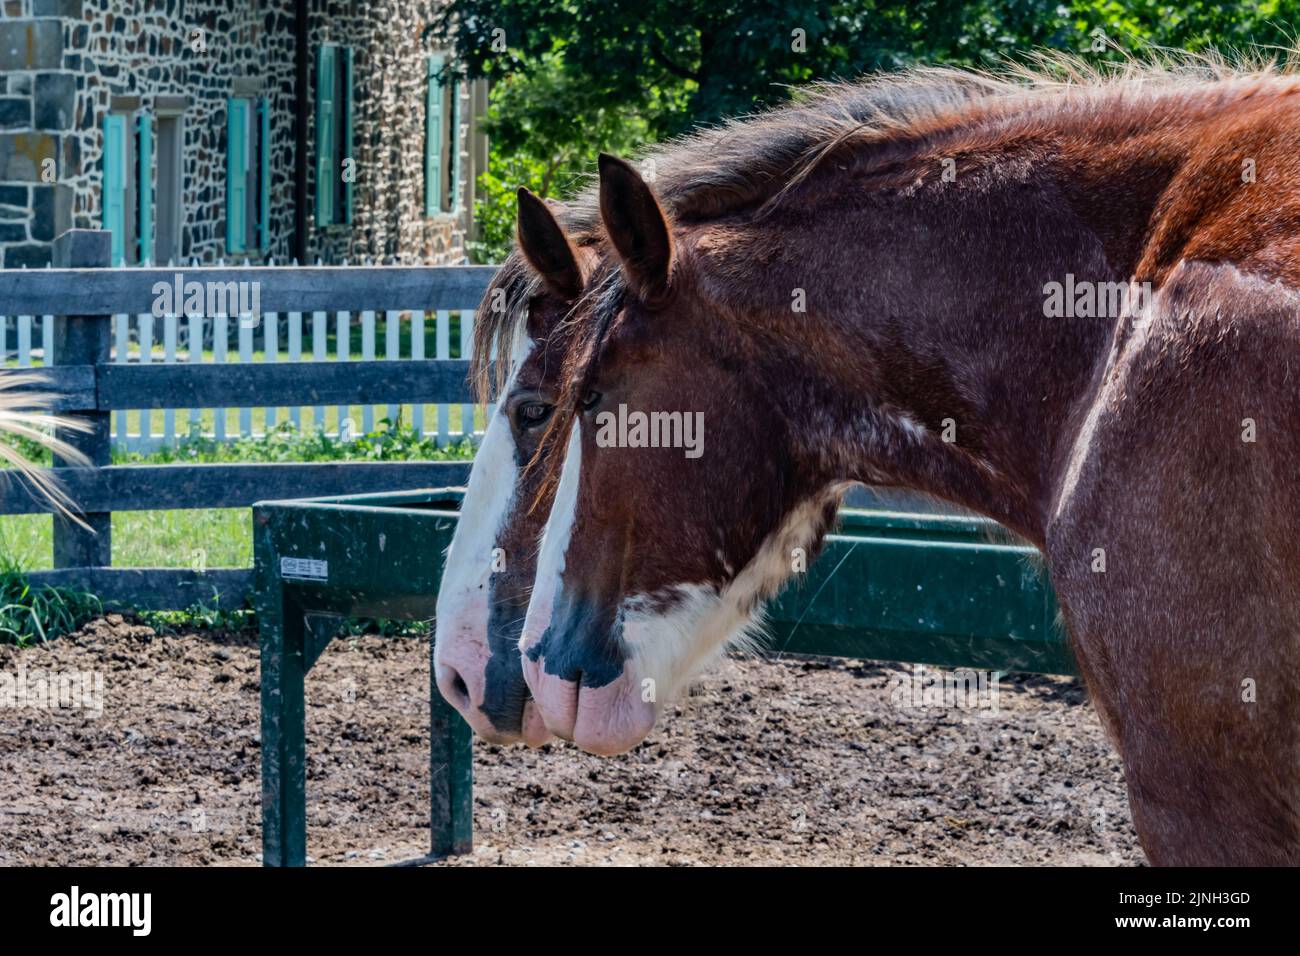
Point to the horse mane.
(752, 162)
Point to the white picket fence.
(271, 338)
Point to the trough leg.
(451, 775)
(284, 749)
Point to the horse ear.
(637, 227)
(547, 248)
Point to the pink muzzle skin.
(461, 675)
(601, 720)
(535, 731)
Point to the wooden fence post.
(84, 340)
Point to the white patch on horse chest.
(673, 646)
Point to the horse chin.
(613, 719)
(608, 719)
(535, 733)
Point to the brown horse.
(493, 555)
(867, 287)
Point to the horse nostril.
(454, 688)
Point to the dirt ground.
(786, 762)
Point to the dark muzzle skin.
(505, 692)
(583, 644)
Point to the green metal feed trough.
(321, 560)
(924, 588)
(898, 586)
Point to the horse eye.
(532, 414)
(590, 399)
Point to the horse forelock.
(601, 301)
(502, 315)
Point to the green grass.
(219, 538)
(284, 442)
(199, 617)
(32, 615)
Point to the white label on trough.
(305, 569)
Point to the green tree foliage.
(573, 77)
(544, 132)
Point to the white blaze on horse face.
(461, 641)
(555, 544)
(605, 719)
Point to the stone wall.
(198, 55)
(36, 115)
(63, 62)
(390, 50)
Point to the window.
(248, 174)
(442, 140)
(334, 173)
(127, 198)
(168, 218)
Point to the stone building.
(235, 129)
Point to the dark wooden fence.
(83, 293)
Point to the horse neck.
(925, 358)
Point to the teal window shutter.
(236, 175)
(325, 106)
(453, 152)
(433, 137)
(113, 200)
(264, 177)
(144, 188)
(347, 134)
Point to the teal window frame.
(264, 175)
(433, 136)
(248, 175)
(144, 186)
(237, 164)
(442, 142)
(126, 196)
(453, 147)
(334, 134)
(113, 196)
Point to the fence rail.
(105, 291)
(257, 367)
(105, 387)
(89, 365)
(168, 487)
